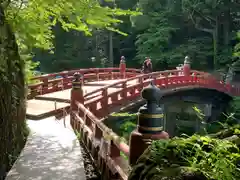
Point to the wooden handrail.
(49, 83)
(154, 74)
(114, 137)
(83, 71)
(90, 132)
(97, 108)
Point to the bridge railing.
(121, 92)
(108, 150)
(63, 80)
(104, 146)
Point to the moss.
(196, 157)
(13, 129)
(16, 144)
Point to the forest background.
(167, 31)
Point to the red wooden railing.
(104, 145)
(101, 101)
(48, 83)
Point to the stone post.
(150, 123)
(76, 93)
(186, 66)
(122, 67)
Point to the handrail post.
(104, 102)
(44, 79)
(186, 66)
(150, 124)
(76, 94)
(122, 68)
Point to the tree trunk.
(12, 96)
(111, 63)
(215, 45)
(226, 27)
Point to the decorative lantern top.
(151, 93)
(122, 59)
(93, 59)
(77, 76)
(187, 60)
(77, 80)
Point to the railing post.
(104, 102)
(64, 75)
(45, 84)
(76, 94)
(150, 124)
(122, 67)
(186, 66)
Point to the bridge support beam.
(76, 95)
(150, 124)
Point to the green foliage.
(167, 31)
(196, 157)
(204, 30)
(29, 68)
(128, 125)
(125, 114)
(237, 47)
(155, 40)
(45, 28)
(33, 25)
(234, 108)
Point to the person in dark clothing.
(147, 66)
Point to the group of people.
(146, 67)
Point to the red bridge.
(90, 95)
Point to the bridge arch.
(211, 102)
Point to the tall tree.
(215, 18)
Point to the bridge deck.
(44, 106)
(52, 152)
(64, 96)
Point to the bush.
(196, 157)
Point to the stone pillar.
(186, 66)
(122, 67)
(150, 123)
(76, 93)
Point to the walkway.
(52, 152)
(46, 105)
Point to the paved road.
(52, 152)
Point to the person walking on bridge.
(147, 66)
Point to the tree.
(168, 30)
(217, 19)
(237, 47)
(25, 25)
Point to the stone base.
(139, 142)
